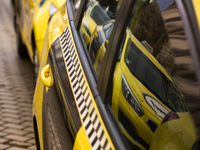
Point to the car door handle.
(47, 77)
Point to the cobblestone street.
(16, 88)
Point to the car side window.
(155, 73)
(154, 69)
(76, 4)
(96, 27)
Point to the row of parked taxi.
(112, 74)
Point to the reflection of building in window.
(183, 63)
(147, 25)
(168, 41)
(165, 58)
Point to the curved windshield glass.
(152, 78)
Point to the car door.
(29, 12)
(86, 96)
(155, 42)
(77, 83)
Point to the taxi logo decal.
(91, 122)
(158, 108)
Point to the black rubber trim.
(70, 9)
(79, 15)
(109, 120)
(60, 74)
(113, 48)
(195, 49)
(193, 22)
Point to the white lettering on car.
(157, 107)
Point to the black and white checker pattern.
(90, 119)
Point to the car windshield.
(152, 78)
(99, 15)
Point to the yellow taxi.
(31, 19)
(175, 132)
(143, 92)
(146, 92)
(98, 43)
(93, 17)
(139, 81)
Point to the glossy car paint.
(33, 21)
(196, 5)
(24, 14)
(156, 114)
(175, 134)
(138, 89)
(57, 26)
(40, 22)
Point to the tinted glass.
(154, 76)
(96, 28)
(76, 5)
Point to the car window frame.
(101, 89)
(113, 48)
(107, 116)
(192, 31)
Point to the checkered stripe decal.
(91, 122)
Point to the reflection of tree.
(147, 24)
(137, 15)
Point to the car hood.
(175, 134)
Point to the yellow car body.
(153, 107)
(32, 22)
(196, 5)
(56, 28)
(40, 22)
(119, 102)
(23, 20)
(61, 36)
(175, 134)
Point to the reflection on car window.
(154, 70)
(99, 15)
(152, 78)
(76, 5)
(96, 27)
(107, 29)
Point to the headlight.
(52, 9)
(130, 97)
